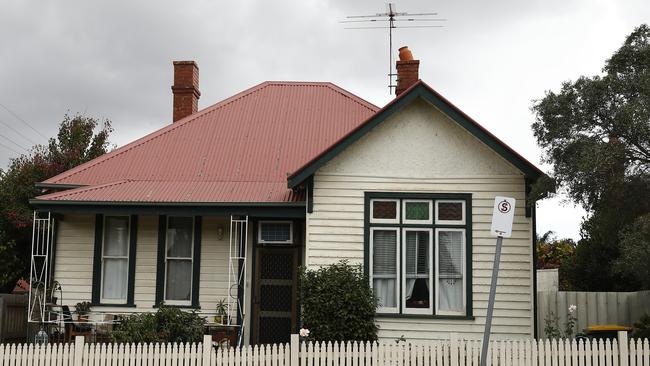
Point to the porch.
(237, 270)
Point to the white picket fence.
(453, 352)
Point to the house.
(227, 203)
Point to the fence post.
(623, 348)
(207, 350)
(453, 348)
(295, 349)
(78, 350)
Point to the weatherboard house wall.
(75, 242)
(421, 150)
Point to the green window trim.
(467, 199)
(97, 262)
(161, 265)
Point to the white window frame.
(425, 222)
(464, 272)
(102, 300)
(382, 309)
(385, 221)
(451, 222)
(428, 310)
(179, 302)
(259, 232)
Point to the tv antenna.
(392, 19)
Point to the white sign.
(502, 216)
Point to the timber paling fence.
(452, 352)
(593, 308)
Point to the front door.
(275, 294)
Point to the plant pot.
(83, 318)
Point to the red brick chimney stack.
(185, 89)
(407, 70)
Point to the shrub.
(642, 327)
(168, 324)
(338, 303)
(552, 328)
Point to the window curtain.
(384, 271)
(417, 269)
(450, 267)
(115, 263)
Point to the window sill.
(426, 316)
(197, 307)
(113, 305)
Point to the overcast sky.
(113, 59)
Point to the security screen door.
(275, 295)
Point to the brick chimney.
(185, 89)
(407, 70)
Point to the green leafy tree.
(338, 303)
(79, 139)
(556, 253)
(552, 252)
(635, 251)
(596, 133)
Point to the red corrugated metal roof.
(183, 191)
(238, 150)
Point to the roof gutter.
(258, 209)
(39, 202)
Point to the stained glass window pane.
(450, 211)
(417, 210)
(384, 210)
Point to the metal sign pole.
(490, 309)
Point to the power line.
(22, 120)
(8, 148)
(18, 132)
(13, 142)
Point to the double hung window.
(417, 253)
(179, 259)
(115, 259)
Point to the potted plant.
(221, 316)
(82, 309)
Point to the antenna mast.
(391, 16)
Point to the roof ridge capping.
(422, 90)
(331, 85)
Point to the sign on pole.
(502, 216)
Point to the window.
(384, 246)
(416, 257)
(384, 211)
(417, 212)
(115, 260)
(275, 232)
(179, 260)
